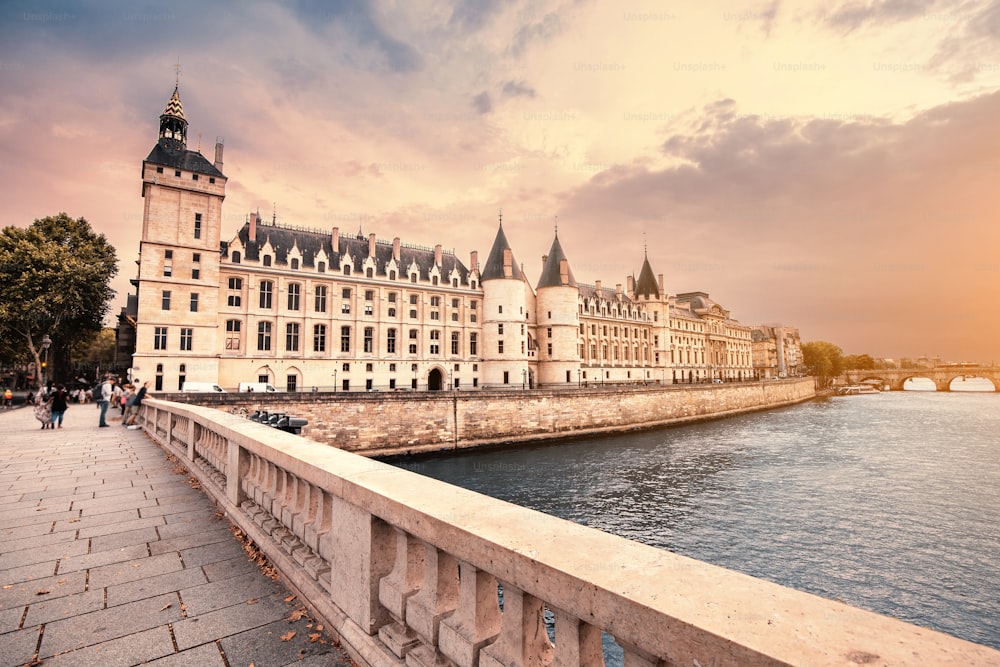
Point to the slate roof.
(310, 242)
(647, 285)
(552, 272)
(164, 154)
(494, 267)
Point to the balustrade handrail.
(318, 503)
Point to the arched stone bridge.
(941, 376)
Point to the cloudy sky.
(830, 165)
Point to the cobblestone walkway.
(110, 556)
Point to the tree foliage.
(859, 362)
(823, 360)
(56, 276)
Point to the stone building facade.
(308, 309)
(777, 351)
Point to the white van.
(202, 387)
(259, 387)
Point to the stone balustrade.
(407, 570)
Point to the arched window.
(295, 263)
(321, 267)
(347, 269)
(235, 258)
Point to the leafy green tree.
(56, 276)
(823, 360)
(858, 362)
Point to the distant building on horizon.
(777, 351)
(307, 309)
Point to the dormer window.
(321, 267)
(267, 260)
(235, 258)
(295, 264)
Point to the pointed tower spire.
(173, 124)
(647, 285)
(501, 262)
(556, 272)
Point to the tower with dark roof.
(508, 306)
(558, 320)
(178, 283)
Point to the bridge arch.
(980, 383)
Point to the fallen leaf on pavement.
(314, 637)
(288, 636)
(297, 614)
(254, 601)
(289, 598)
(42, 592)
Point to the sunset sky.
(828, 165)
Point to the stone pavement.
(110, 555)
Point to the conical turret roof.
(556, 272)
(647, 285)
(174, 109)
(501, 262)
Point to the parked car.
(209, 387)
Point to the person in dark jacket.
(58, 402)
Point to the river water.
(890, 502)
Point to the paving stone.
(122, 652)
(10, 619)
(100, 558)
(173, 530)
(119, 573)
(229, 621)
(27, 573)
(119, 540)
(121, 527)
(228, 592)
(92, 520)
(64, 607)
(39, 512)
(23, 594)
(23, 526)
(206, 655)
(36, 542)
(178, 505)
(212, 535)
(211, 553)
(148, 587)
(123, 501)
(50, 554)
(228, 569)
(18, 648)
(107, 624)
(264, 647)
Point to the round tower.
(505, 324)
(558, 321)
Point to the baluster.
(578, 644)
(523, 641)
(476, 621)
(435, 601)
(396, 588)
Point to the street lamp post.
(335, 380)
(524, 378)
(46, 342)
(579, 381)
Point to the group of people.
(51, 402)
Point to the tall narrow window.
(165, 300)
(194, 302)
(294, 291)
(345, 339)
(390, 341)
(264, 336)
(186, 338)
(266, 294)
(369, 339)
(160, 338)
(454, 342)
(320, 301)
(197, 225)
(292, 337)
(233, 334)
(319, 338)
(473, 344)
(235, 292)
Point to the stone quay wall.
(404, 570)
(383, 424)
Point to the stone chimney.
(335, 240)
(395, 248)
(508, 263)
(371, 246)
(252, 234)
(474, 260)
(618, 289)
(630, 282)
(437, 255)
(218, 154)
(597, 287)
(660, 280)
(564, 272)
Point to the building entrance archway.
(434, 379)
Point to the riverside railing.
(406, 570)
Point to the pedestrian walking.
(8, 398)
(104, 399)
(42, 411)
(58, 404)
